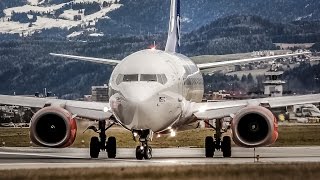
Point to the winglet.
(173, 41)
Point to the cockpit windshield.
(130, 77)
(148, 77)
(160, 78)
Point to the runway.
(34, 158)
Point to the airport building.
(99, 93)
(273, 86)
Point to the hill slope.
(139, 16)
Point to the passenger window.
(130, 77)
(148, 77)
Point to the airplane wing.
(89, 59)
(90, 110)
(240, 61)
(213, 110)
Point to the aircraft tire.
(94, 147)
(226, 146)
(209, 147)
(112, 147)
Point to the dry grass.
(288, 136)
(238, 172)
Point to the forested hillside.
(27, 67)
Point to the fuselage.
(153, 89)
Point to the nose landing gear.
(144, 150)
(215, 143)
(101, 143)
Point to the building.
(99, 93)
(273, 86)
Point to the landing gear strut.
(101, 143)
(215, 143)
(144, 150)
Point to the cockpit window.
(162, 78)
(148, 77)
(130, 77)
(119, 79)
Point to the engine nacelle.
(254, 126)
(53, 127)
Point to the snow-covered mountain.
(131, 17)
(37, 15)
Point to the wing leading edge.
(90, 110)
(212, 110)
(240, 61)
(88, 59)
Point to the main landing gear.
(144, 150)
(215, 143)
(101, 143)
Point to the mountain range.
(118, 17)
(31, 29)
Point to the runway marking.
(41, 155)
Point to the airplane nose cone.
(142, 108)
(138, 94)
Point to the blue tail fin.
(173, 41)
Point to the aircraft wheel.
(209, 147)
(139, 153)
(147, 152)
(112, 147)
(94, 147)
(226, 146)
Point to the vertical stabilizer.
(173, 41)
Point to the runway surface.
(34, 158)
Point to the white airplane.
(153, 91)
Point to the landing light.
(135, 134)
(173, 133)
(153, 48)
(159, 135)
(105, 109)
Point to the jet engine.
(254, 126)
(53, 127)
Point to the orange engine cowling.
(53, 127)
(254, 126)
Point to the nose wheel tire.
(226, 146)
(148, 152)
(143, 152)
(209, 147)
(94, 147)
(112, 147)
(139, 153)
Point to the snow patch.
(28, 8)
(74, 34)
(65, 21)
(69, 14)
(96, 34)
(33, 2)
(90, 1)
(304, 17)
(307, 5)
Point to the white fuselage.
(153, 89)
